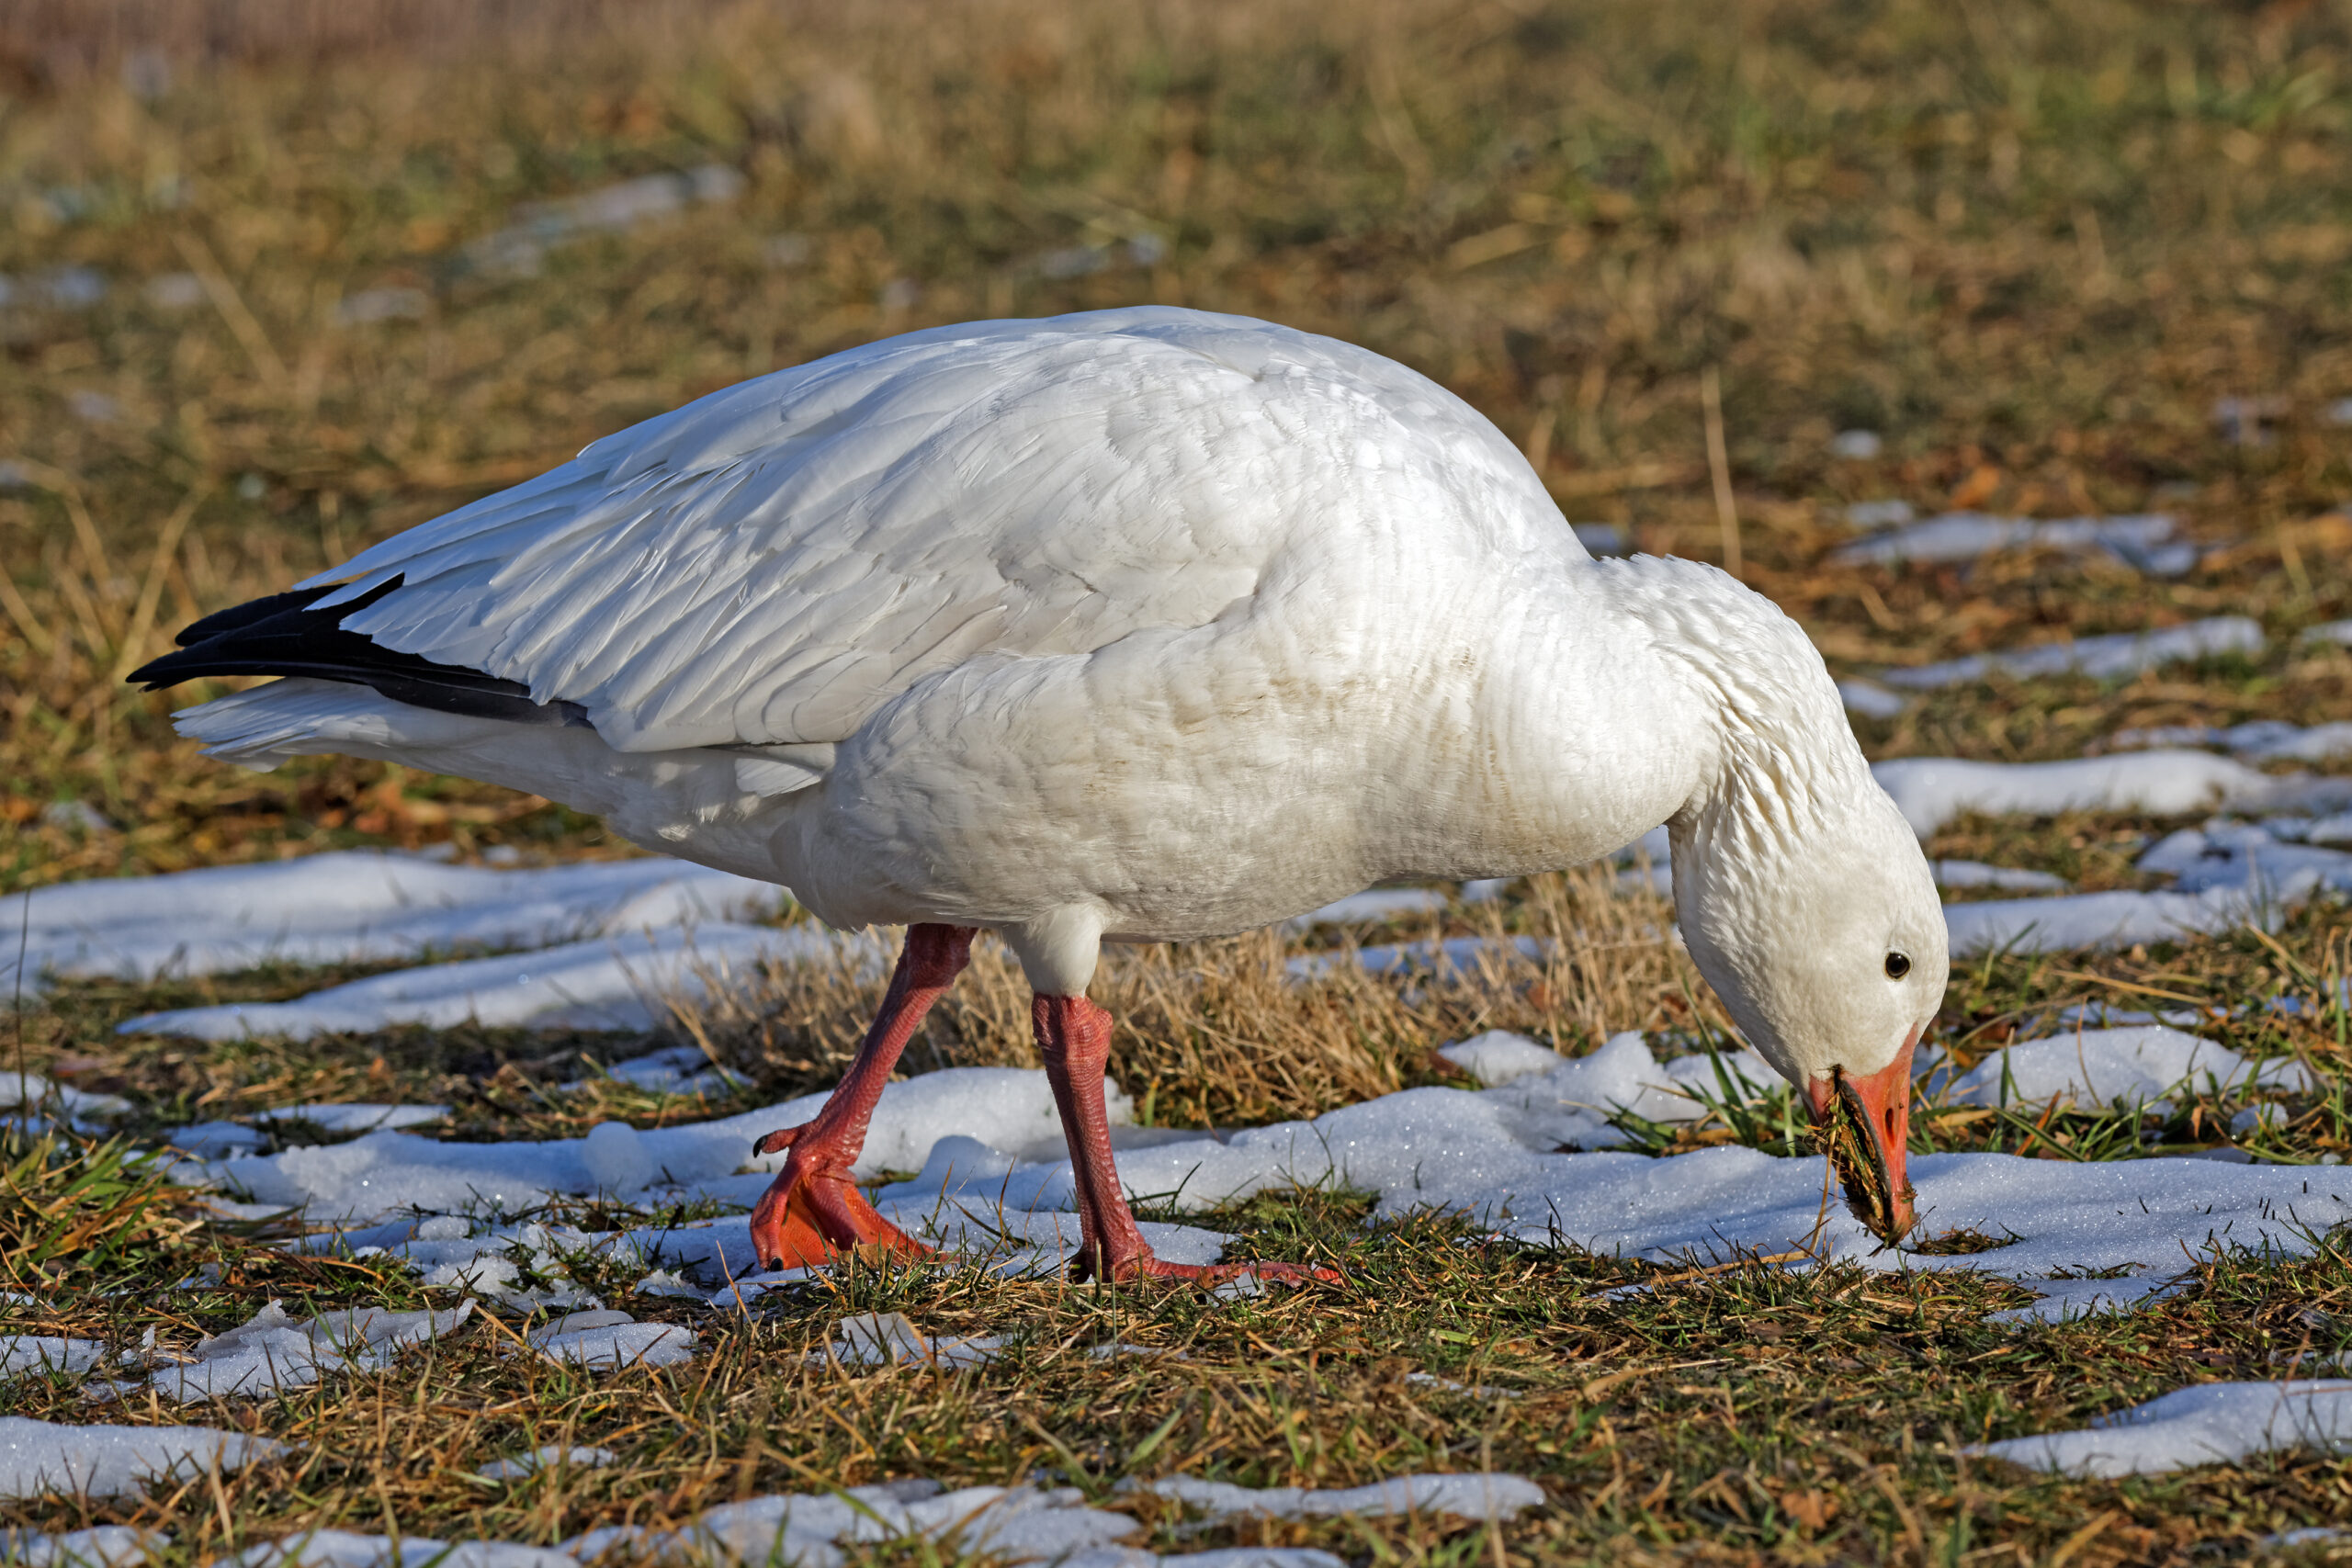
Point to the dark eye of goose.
(1897, 966)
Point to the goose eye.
(1897, 966)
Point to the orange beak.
(1876, 1187)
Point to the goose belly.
(1172, 786)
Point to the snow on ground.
(550, 1457)
(362, 1116)
(1027, 1524)
(345, 1548)
(79, 1108)
(1870, 699)
(2101, 658)
(2213, 1424)
(1933, 792)
(2144, 542)
(1531, 1155)
(274, 1351)
(2119, 1066)
(1478, 1496)
(602, 984)
(38, 1457)
(1371, 908)
(891, 1338)
(23, 1353)
(1976, 874)
(350, 906)
(101, 1546)
(2266, 741)
(605, 1341)
(1528, 1159)
(1449, 954)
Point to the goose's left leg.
(1074, 1038)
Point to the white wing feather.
(772, 563)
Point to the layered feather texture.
(774, 562)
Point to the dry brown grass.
(2029, 244)
(1218, 1033)
(2033, 246)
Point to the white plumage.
(1142, 623)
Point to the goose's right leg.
(814, 1212)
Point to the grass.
(2031, 246)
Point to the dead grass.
(2031, 245)
(1218, 1033)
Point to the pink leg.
(814, 1212)
(1074, 1038)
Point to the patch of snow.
(2336, 632)
(2257, 1119)
(1499, 1056)
(345, 1548)
(680, 1069)
(76, 816)
(39, 1457)
(2081, 923)
(2144, 542)
(23, 1353)
(1870, 700)
(1448, 955)
(30, 1089)
(376, 1175)
(1855, 444)
(372, 305)
(605, 1341)
(1976, 874)
(1380, 903)
(1026, 1524)
(213, 1140)
(1016, 1524)
(2243, 858)
(1601, 538)
(1655, 847)
(351, 907)
(602, 984)
(517, 250)
(1450, 1385)
(2101, 658)
(271, 1353)
(2261, 740)
(1933, 792)
(1882, 514)
(1484, 1495)
(2119, 1066)
(549, 1457)
(1486, 889)
(100, 1546)
(359, 1116)
(663, 1283)
(2214, 1424)
(891, 1338)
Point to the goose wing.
(769, 564)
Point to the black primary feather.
(282, 635)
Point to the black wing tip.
(282, 635)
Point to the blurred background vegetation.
(283, 277)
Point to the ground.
(2062, 262)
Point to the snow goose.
(1139, 625)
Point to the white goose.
(1138, 625)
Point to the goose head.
(1813, 913)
